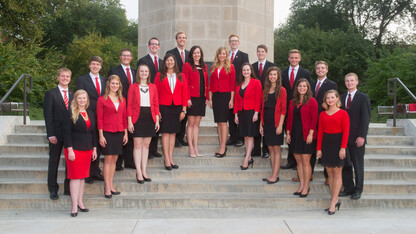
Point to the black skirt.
(269, 129)
(144, 126)
(198, 106)
(114, 143)
(170, 118)
(298, 144)
(331, 145)
(245, 124)
(220, 103)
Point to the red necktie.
(260, 69)
(66, 98)
(349, 101)
(182, 57)
(97, 85)
(156, 66)
(292, 78)
(129, 75)
(317, 89)
(232, 57)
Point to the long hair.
(296, 94)
(74, 104)
(217, 62)
(191, 58)
(241, 77)
(268, 84)
(325, 105)
(164, 69)
(119, 91)
(138, 71)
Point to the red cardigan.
(133, 102)
(280, 109)
(309, 114)
(193, 80)
(252, 97)
(339, 122)
(224, 83)
(108, 118)
(179, 95)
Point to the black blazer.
(119, 71)
(238, 61)
(360, 115)
(77, 135)
(302, 73)
(85, 82)
(267, 65)
(327, 85)
(149, 62)
(54, 111)
(178, 58)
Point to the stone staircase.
(208, 182)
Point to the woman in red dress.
(80, 143)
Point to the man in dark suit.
(94, 85)
(237, 58)
(289, 78)
(260, 67)
(56, 104)
(181, 56)
(154, 63)
(358, 106)
(127, 77)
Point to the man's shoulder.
(301, 69)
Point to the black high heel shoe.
(174, 166)
(305, 195)
(272, 182)
(251, 161)
(115, 193)
(83, 210)
(169, 168)
(218, 155)
(336, 206)
(74, 214)
(147, 179)
(139, 181)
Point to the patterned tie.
(182, 57)
(317, 89)
(156, 66)
(349, 101)
(292, 78)
(97, 85)
(260, 69)
(129, 75)
(66, 98)
(232, 57)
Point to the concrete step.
(206, 201)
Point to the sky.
(281, 10)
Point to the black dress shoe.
(238, 143)
(157, 155)
(54, 195)
(67, 193)
(108, 196)
(177, 143)
(115, 193)
(288, 166)
(74, 214)
(356, 195)
(345, 193)
(119, 168)
(230, 142)
(89, 180)
(266, 155)
(98, 177)
(83, 210)
(131, 166)
(174, 166)
(150, 156)
(147, 179)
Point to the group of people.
(253, 104)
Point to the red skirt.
(80, 167)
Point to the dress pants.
(55, 151)
(258, 149)
(127, 155)
(95, 165)
(181, 135)
(357, 159)
(233, 127)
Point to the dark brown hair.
(241, 77)
(296, 94)
(268, 84)
(164, 69)
(191, 59)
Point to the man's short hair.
(294, 51)
(126, 49)
(96, 59)
(153, 38)
(321, 62)
(233, 35)
(179, 33)
(352, 74)
(262, 47)
(64, 69)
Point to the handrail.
(25, 91)
(394, 93)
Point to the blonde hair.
(74, 104)
(217, 62)
(324, 105)
(294, 51)
(119, 91)
(321, 62)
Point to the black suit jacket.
(302, 73)
(119, 71)
(178, 58)
(149, 62)
(238, 61)
(360, 115)
(54, 111)
(77, 135)
(85, 82)
(327, 85)
(267, 65)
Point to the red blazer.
(280, 109)
(224, 83)
(179, 95)
(133, 102)
(309, 114)
(193, 80)
(252, 97)
(108, 118)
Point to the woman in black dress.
(247, 108)
(196, 72)
(301, 132)
(272, 117)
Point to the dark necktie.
(349, 101)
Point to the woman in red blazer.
(221, 95)
(172, 88)
(112, 129)
(196, 73)
(142, 119)
(272, 117)
(247, 108)
(301, 132)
